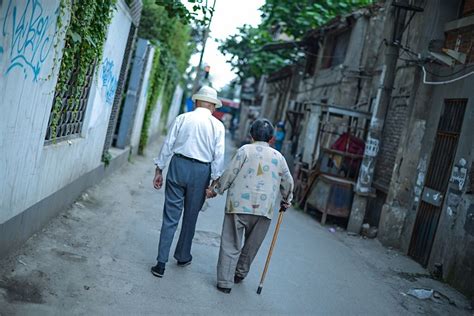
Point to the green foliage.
(106, 158)
(293, 18)
(153, 94)
(84, 43)
(305, 14)
(177, 10)
(171, 36)
(247, 58)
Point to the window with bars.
(71, 110)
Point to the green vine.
(83, 47)
(153, 94)
(171, 37)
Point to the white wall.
(155, 123)
(29, 170)
(138, 124)
(175, 105)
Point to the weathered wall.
(141, 103)
(454, 240)
(156, 125)
(400, 163)
(175, 105)
(29, 170)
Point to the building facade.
(419, 178)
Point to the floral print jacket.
(254, 177)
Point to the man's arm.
(217, 164)
(165, 153)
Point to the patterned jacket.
(254, 177)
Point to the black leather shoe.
(224, 289)
(184, 263)
(158, 271)
(238, 279)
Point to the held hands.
(210, 192)
(284, 206)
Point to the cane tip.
(259, 290)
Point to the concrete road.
(95, 258)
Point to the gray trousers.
(233, 258)
(186, 184)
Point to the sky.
(228, 16)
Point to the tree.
(293, 18)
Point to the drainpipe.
(364, 188)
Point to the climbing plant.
(170, 33)
(85, 36)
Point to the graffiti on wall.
(366, 172)
(371, 147)
(109, 80)
(364, 181)
(26, 31)
(459, 174)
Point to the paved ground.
(95, 258)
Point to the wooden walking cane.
(269, 256)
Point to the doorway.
(437, 179)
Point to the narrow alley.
(358, 116)
(94, 258)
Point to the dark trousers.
(186, 184)
(233, 258)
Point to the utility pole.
(364, 188)
(204, 40)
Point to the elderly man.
(254, 177)
(196, 145)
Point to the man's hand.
(210, 193)
(158, 180)
(284, 206)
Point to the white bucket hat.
(207, 94)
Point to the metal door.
(437, 179)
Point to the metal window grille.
(71, 112)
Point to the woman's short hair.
(261, 130)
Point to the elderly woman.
(254, 177)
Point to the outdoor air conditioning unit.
(445, 55)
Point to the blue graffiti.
(31, 41)
(109, 81)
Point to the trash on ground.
(332, 230)
(422, 294)
(369, 231)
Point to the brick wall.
(393, 128)
(468, 8)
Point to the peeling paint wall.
(454, 243)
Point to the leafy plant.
(292, 18)
(170, 34)
(106, 158)
(84, 42)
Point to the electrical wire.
(425, 81)
(450, 75)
